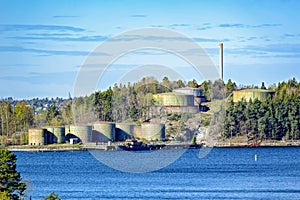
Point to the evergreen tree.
(230, 87)
(10, 179)
(52, 196)
(263, 86)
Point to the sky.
(44, 44)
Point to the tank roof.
(187, 88)
(36, 129)
(254, 90)
(104, 122)
(173, 93)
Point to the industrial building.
(248, 94)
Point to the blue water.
(225, 173)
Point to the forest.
(273, 118)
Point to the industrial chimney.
(221, 61)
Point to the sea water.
(225, 173)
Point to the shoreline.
(62, 148)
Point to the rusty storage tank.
(83, 132)
(56, 135)
(153, 131)
(104, 129)
(138, 132)
(37, 136)
(124, 131)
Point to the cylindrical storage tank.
(151, 131)
(50, 135)
(184, 100)
(124, 131)
(106, 129)
(37, 136)
(138, 132)
(189, 91)
(59, 135)
(84, 133)
(173, 99)
(248, 94)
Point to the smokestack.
(221, 61)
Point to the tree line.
(274, 118)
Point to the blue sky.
(44, 43)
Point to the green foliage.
(52, 196)
(53, 116)
(193, 84)
(5, 195)
(206, 122)
(24, 116)
(206, 87)
(175, 117)
(274, 119)
(230, 87)
(263, 86)
(133, 113)
(193, 142)
(14, 122)
(10, 179)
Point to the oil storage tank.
(104, 131)
(37, 136)
(56, 135)
(173, 99)
(189, 91)
(124, 131)
(248, 94)
(83, 132)
(138, 132)
(59, 134)
(50, 135)
(153, 131)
